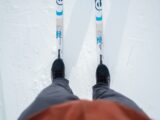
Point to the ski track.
(28, 48)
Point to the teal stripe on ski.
(99, 18)
(58, 34)
(99, 40)
(59, 13)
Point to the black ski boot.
(102, 74)
(58, 69)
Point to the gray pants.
(59, 92)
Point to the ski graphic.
(59, 26)
(99, 26)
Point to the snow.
(28, 48)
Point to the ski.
(99, 26)
(59, 25)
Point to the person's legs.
(58, 92)
(102, 90)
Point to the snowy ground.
(28, 48)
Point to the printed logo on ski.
(98, 5)
(59, 2)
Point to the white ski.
(99, 26)
(59, 26)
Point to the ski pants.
(59, 92)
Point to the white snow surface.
(28, 48)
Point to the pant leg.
(58, 92)
(102, 91)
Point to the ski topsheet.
(59, 25)
(99, 26)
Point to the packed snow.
(28, 49)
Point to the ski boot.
(58, 69)
(102, 74)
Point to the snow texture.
(28, 48)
